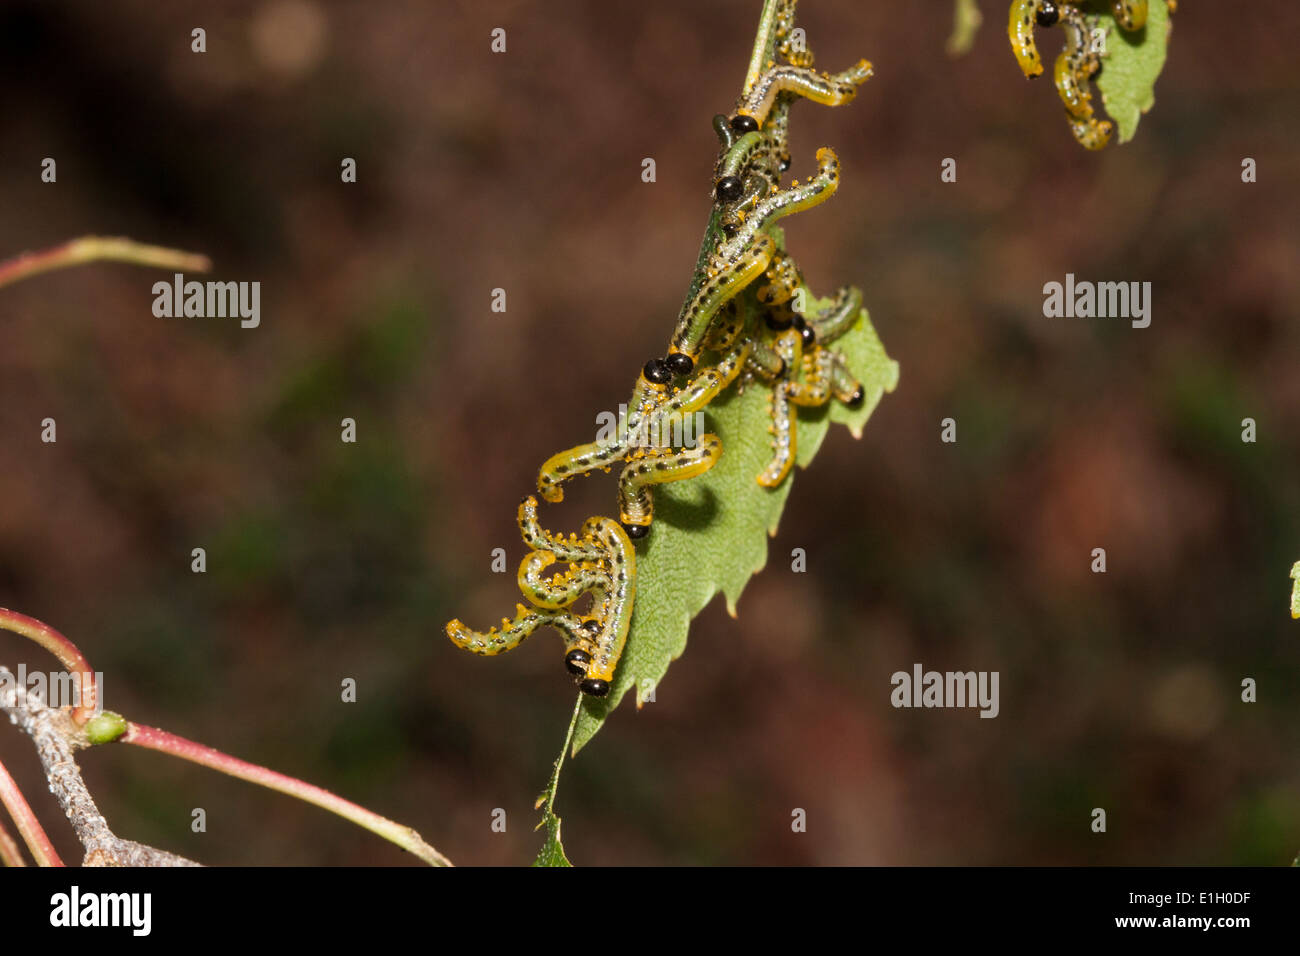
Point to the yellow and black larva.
(1073, 71)
(1025, 15)
(654, 406)
(1131, 15)
(658, 466)
(828, 89)
(602, 562)
(737, 319)
(815, 389)
(1077, 63)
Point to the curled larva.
(659, 466)
(815, 389)
(1130, 14)
(614, 614)
(1073, 72)
(1024, 16)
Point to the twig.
(79, 733)
(405, 837)
(56, 737)
(98, 249)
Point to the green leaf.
(710, 534)
(552, 850)
(1133, 62)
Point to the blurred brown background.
(522, 171)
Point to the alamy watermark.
(1100, 300)
(54, 689)
(922, 688)
(670, 431)
(209, 300)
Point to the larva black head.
(785, 163)
(800, 322)
(657, 372)
(576, 662)
(635, 531)
(778, 321)
(594, 687)
(742, 123)
(857, 398)
(808, 335)
(730, 230)
(679, 363)
(729, 189)
(1047, 14)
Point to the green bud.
(105, 728)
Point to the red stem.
(29, 827)
(62, 648)
(161, 740)
(10, 853)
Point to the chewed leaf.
(552, 853)
(1133, 62)
(710, 534)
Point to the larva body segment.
(512, 632)
(1077, 63)
(784, 203)
(814, 390)
(560, 590)
(1073, 94)
(657, 467)
(829, 89)
(750, 261)
(783, 280)
(572, 549)
(616, 604)
(1131, 15)
(842, 314)
(652, 413)
(1091, 133)
(1020, 30)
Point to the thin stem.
(98, 249)
(29, 827)
(554, 784)
(405, 837)
(62, 648)
(10, 853)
